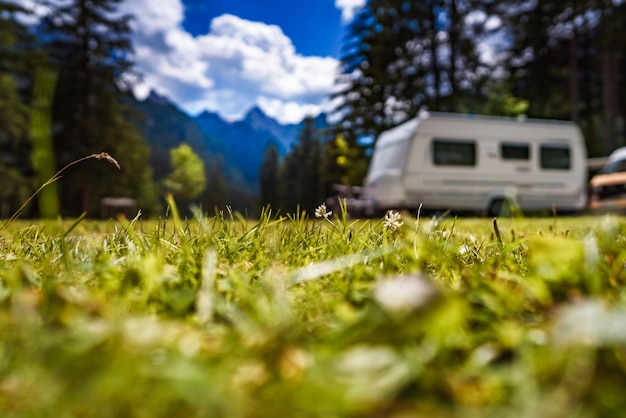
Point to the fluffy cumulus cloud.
(348, 8)
(236, 65)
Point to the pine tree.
(290, 189)
(399, 56)
(268, 178)
(217, 187)
(301, 179)
(363, 77)
(564, 61)
(536, 58)
(13, 112)
(15, 168)
(90, 44)
(309, 150)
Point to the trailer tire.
(495, 207)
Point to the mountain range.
(237, 147)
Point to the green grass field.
(298, 317)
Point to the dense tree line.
(399, 56)
(304, 177)
(90, 47)
(546, 59)
(566, 59)
(15, 173)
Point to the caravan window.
(454, 152)
(555, 157)
(513, 151)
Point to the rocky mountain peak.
(156, 98)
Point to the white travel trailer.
(446, 161)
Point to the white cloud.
(289, 111)
(236, 65)
(153, 16)
(349, 8)
(263, 58)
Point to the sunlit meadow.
(302, 316)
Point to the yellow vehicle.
(608, 186)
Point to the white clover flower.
(321, 212)
(393, 220)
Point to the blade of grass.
(57, 176)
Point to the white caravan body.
(446, 161)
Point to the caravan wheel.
(495, 208)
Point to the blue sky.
(227, 56)
(313, 26)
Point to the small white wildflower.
(403, 294)
(393, 220)
(321, 212)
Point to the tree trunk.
(41, 133)
(452, 41)
(434, 64)
(609, 96)
(573, 78)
